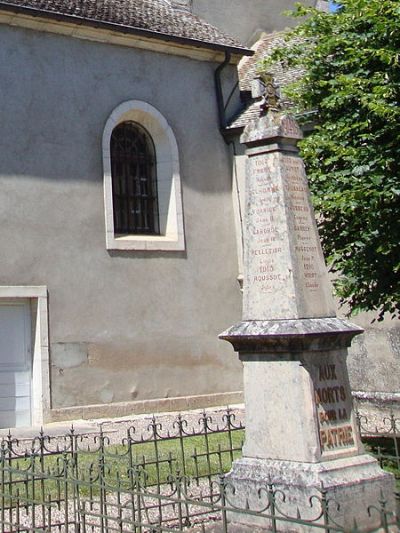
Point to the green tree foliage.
(351, 86)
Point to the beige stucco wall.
(123, 326)
(246, 19)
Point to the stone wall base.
(376, 409)
(120, 409)
(352, 484)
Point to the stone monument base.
(349, 485)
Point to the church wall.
(124, 326)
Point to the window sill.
(146, 242)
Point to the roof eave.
(74, 19)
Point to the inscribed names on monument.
(286, 276)
(312, 284)
(267, 240)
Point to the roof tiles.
(158, 17)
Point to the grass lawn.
(386, 450)
(195, 457)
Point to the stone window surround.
(168, 181)
(40, 395)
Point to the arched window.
(134, 180)
(142, 183)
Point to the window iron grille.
(134, 180)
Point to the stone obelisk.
(300, 427)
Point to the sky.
(332, 6)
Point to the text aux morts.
(330, 397)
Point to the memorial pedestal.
(301, 433)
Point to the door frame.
(40, 389)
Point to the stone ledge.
(295, 335)
(344, 481)
(322, 474)
(376, 397)
(272, 127)
(121, 409)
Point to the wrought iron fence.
(381, 436)
(156, 478)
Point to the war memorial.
(300, 427)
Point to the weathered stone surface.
(299, 409)
(273, 127)
(353, 483)
(271, 336)
(285, 276)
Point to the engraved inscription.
(282, 250)
(266, 242)
(300, 221)
(333, 410)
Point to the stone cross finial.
(267, 91)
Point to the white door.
(15, 364)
